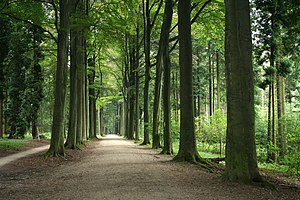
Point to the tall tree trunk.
(210, 80)
(187, 147)
(218, 80)
(57, 134)
(167, 149)
(273, 133)
(241, 163)
(137, 84)
(72, 126)
(176, 98)
(92, 99)
(269, 131)
(99, 122)
(126, 118)
(131, 95)
(282, 135)
(123, 120)
(157, 97)
(1, 113)
(147, 32)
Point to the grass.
(12, 143)
(203, 154)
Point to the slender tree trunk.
(210, 80)
(167, 149)
(79, 133)
(241, 163)
(99, 122)
(92, 99)
(102, 132)
(57, 134)
(131, 95)
(137, 85)
(177, 98)
(274, 138)
(187, 147)
(34, 130)
(123, 120)
(72, 129)
(1, 114)
(282, 135)
(157, 97)
(147, 32)
(126, 118)
(218, 81)
(269, 131)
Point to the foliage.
(211, 132)
(12, 144)
(212, 129)
(17, 62)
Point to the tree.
(4, 33)
(167, 148)
(148, 25)
(18, 61)
(34, 91)
(241, 163)
(187, 147)
(57, 134)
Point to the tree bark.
(147, 32)
(157, 97)
(137, 84)
(167, 149)
(72, 129)
(218, 81)
(282, 134)
(92, 100)
(187, 147)
(210, 80)
(57, 134)
(241, 163)
(1, 113)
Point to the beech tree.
(241, 163)
(187, 147)
(57, 134)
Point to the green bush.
(293, 162)
(211, 132)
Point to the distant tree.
(34, 84)
(241, 163)
(4, 34)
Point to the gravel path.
(117, 169)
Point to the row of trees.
(118, 62)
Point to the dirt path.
(114, 169)
(16, 156)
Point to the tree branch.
(199, 11)
(56, 14)
(32, 24)
(174, 45)
(156, 14)
(153, 4)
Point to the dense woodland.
(182, 76)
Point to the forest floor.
(114, 168)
